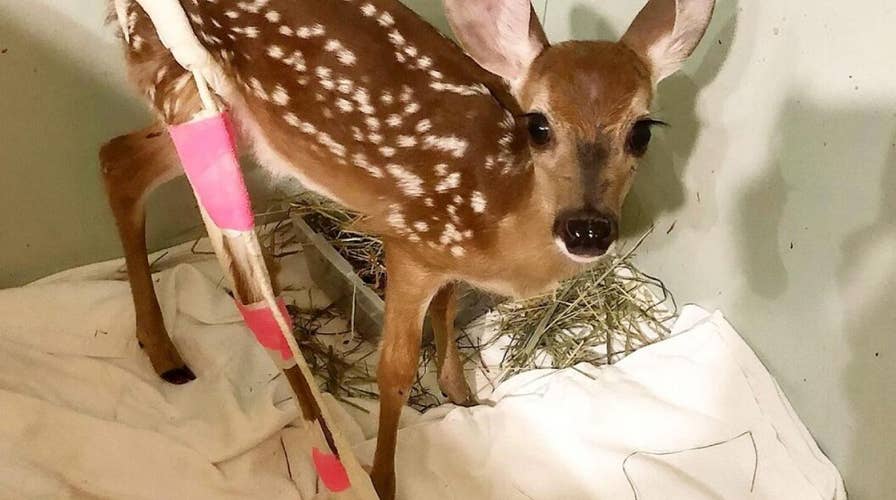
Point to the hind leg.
(133, 165)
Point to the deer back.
(364, 101)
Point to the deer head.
(586, 104)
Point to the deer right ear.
(503, 36)
(666, 32)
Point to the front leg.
(452, 381)
(409, 290)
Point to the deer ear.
(666, 32)
(503, 36)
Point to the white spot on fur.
(286, 30)
(297, 61)
(387, 151)
(394, 120)
(344, 105)
(406, 141)
(423, 126)
(409, 183)
(357, 135)
(465, 90)
(292, 119)
(308, 128)
(372, 123)
(412, 108)
(424, 62)
(326, 140)
(450, 234)
(253, 7)
(395, 218)
(272, 16)
(344, 85)
(361, 96)
(386, 20)
(441, 169)
(458, 251)
(275, 52)
(280, 96)
(387, 98)
(258, 89)
(450, 182)
(478, 202)
(232, 14)
(368, 10)
(396, 38)
(359, 160)
(312, 31)
(454, 145)
(421, 227)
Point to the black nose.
(587, 234)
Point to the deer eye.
(640, 136)
(539, 128)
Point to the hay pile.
(598, 317)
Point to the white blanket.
(82, 415)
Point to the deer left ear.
(666, 32)
(503, 36)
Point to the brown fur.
(377, 110)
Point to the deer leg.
(408, 292)
(442, 311)
(133, 166)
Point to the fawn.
(505, 167)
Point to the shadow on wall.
(833, 290)
(867, 280)
(659, 187)
(53, 212)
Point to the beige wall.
(62, 94)
(779, 174)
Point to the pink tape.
(331, 471)
(260, 319)
(207, 151)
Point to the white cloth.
(84, 416)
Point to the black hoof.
(179, 376)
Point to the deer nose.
(586, 234)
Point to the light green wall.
(779, 174)
(62, 94)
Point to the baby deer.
(505, 168)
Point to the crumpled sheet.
(82, 415)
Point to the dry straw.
(597, 317)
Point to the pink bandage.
(207, 150)
(330, 470)
(260, 319)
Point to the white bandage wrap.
(177, 35)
